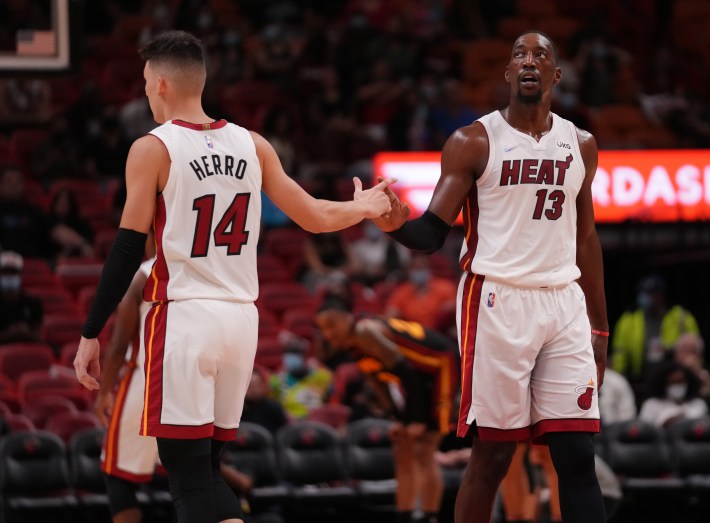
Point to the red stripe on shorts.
(111, 440)
(471, 300)
(156, 322)
(156, 288)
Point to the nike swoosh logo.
(508, 149)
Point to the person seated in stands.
(326, 256)
(303, 384)
(674, 396)
(23, 226)
(688, 351)
(71, 234)
(423, 298)
(20, 314)
(378, 256)
(259, 408)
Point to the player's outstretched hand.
(86, 363)
(395, 218)
(376, 199)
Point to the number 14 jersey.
(520, 218)
(207, 218)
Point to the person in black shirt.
(20, 314)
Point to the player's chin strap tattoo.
(121, 265)
(425, 234)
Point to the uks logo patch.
(491, 299)
(585, 392)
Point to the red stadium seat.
(35, 266)
(36, 283)
(74, 274)
(19, 422)
(18, 358)
(11, 401)
(269, 324)
(269, 354)
(272, 269)
(39, 410)
(280, 297)
(286, 244)
(300, 322)
(66, 424)
(56, 301)
(58, 329)
(24, 141)
(31, 382)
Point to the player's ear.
(558, 76)
(507, 74)
(161, 85)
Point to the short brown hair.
(176, 47)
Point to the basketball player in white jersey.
(198, 181)
(127, 459)
(532, 314)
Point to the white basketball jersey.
(520, 218)
(208, 216)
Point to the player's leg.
(122, 501)
(487, 466)
(581, 498)
(519, 500)
(542, 457)
(404, 472)
(227, 504)
(189, 466)
(430, 484)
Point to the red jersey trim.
(564, 425)
(155, 322)
(111, 441)
(129, 476)
(471, 301)
(156, 287)
(218, 124)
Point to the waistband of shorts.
(505, 283)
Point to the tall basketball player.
(198, 181)
(532, 314)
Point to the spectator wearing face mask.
(423, 298)
(20, 314)
(673, 396)
(302, 385)
(378, 256)
(643, 336)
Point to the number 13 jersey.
(520, 218)
(208, 216)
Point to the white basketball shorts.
(198, 362)
(527, 364)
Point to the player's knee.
(492, 459)
(572, 453)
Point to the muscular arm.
(463, 160)
(372, 341)
(589, 255)
(312, 214)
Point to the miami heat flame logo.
(584, 401)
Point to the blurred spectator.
(378, 99)
(642, 336)
(302, 385)
(688, 351)
(673, 397)
(450, 113)
(58, 155)
(20, 314)
(275, 58)
(71, 234)
(106, 154)
(23, 227)
(423, 298)
(279, 130)
(136, 118)
(24, 101)
(599, 63)
(616, 398)
(259, 408)
(378, 256)
(327, 255)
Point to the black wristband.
(121, 265)
(426, 233)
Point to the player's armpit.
(147, 162)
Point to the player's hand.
(600, 344)
(86, 363)
(103, 407)
(398, 214)
(376, 200)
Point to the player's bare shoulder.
(467, 148)
(588, 148)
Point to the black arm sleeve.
(425, 234)
(121, 265)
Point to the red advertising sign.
(649, 186)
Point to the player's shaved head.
(552, 45)
(179, 56)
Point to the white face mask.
(676, 391)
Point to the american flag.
(36, 43)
